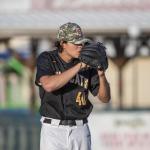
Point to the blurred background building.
(28, 27)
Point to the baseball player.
(65, 76)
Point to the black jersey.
(71, 101)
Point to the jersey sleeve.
(94, 82)
(43, 66)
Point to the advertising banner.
(120, 130)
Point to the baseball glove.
(94, 55)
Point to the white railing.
(22, 134)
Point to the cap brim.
(82, 41)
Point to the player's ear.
(63, 44)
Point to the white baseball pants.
(60, 137)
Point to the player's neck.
(65, 57)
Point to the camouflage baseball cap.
(71, 32)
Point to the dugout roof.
(47, 22)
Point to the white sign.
(90, 4)
(15, 5)
(120, 131)
(28, 5)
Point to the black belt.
(66, 122)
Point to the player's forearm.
(55, 82)
(104, 90)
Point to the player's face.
(72, 50)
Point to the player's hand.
(101, 73)
(83, 65)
